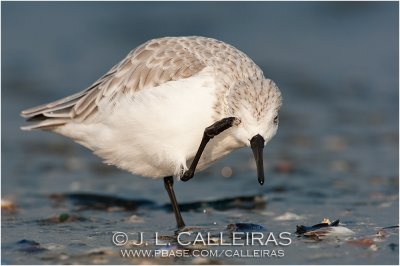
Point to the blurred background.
(335, 154)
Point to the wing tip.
(48, 124)
(24, 113)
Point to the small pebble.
(29, 246)
(8, 205)
(63, 217)
(288, 216)
(53, 246)
(226, 171)
(134, 219)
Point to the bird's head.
(256, 104)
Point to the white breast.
(157, 130)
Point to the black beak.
(257, 145)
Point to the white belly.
(156, 132)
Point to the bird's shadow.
(92, 201)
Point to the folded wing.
(151, 64)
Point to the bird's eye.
(276, 119)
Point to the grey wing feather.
(149, 65)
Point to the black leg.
(169, 183)
(209, 133)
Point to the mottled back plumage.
(149, 65)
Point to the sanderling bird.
(171, 103)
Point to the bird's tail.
(51, 115)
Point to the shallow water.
(335, 154)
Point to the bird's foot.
(187, 175)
